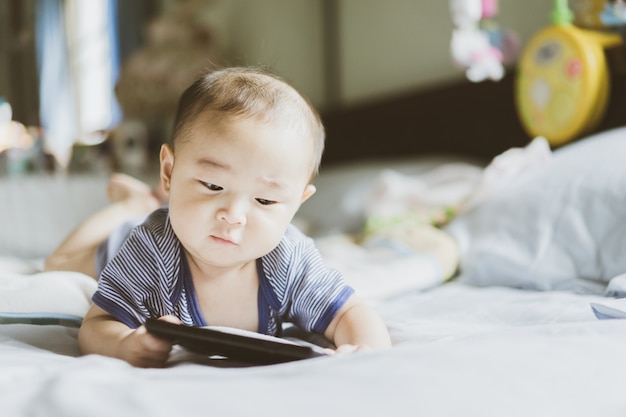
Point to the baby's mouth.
(224, 240)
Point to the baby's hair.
(239, 92)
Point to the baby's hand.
(347, 348)
(142, 349)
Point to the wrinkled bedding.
(503, 337)
(458, 350)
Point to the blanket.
(58, 297)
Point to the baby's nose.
(233, 213)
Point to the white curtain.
(78, 62)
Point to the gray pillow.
(563, 227)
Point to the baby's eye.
(212, 187)
(265, 202)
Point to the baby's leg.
(130, 198)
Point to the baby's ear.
(308, 192)
(167, 164)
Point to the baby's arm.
(102, 334)
(358, 325)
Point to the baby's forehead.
(285, 131)
(210, 121)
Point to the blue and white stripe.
(148, 278)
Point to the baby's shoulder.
(293, 247)
(294, 234)
(157, 225)
(157, 219)
(294, 238)
(154, 237)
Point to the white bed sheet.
(458, 350)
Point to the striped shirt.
(149, 278)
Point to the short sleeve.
(310, 293)
(137, 283)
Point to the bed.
(502, 323)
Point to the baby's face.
(234, 187)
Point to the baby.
(246, 148)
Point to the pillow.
(56, 297)
(561, 227)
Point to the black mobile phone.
(233, 344)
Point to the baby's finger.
(152, 343)
(345, 349)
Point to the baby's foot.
(123, 187)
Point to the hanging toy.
(563, 79)
(477, 44)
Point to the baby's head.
(246, 148)
(237, 93)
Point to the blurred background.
(91, 71)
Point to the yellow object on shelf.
(562, 86)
